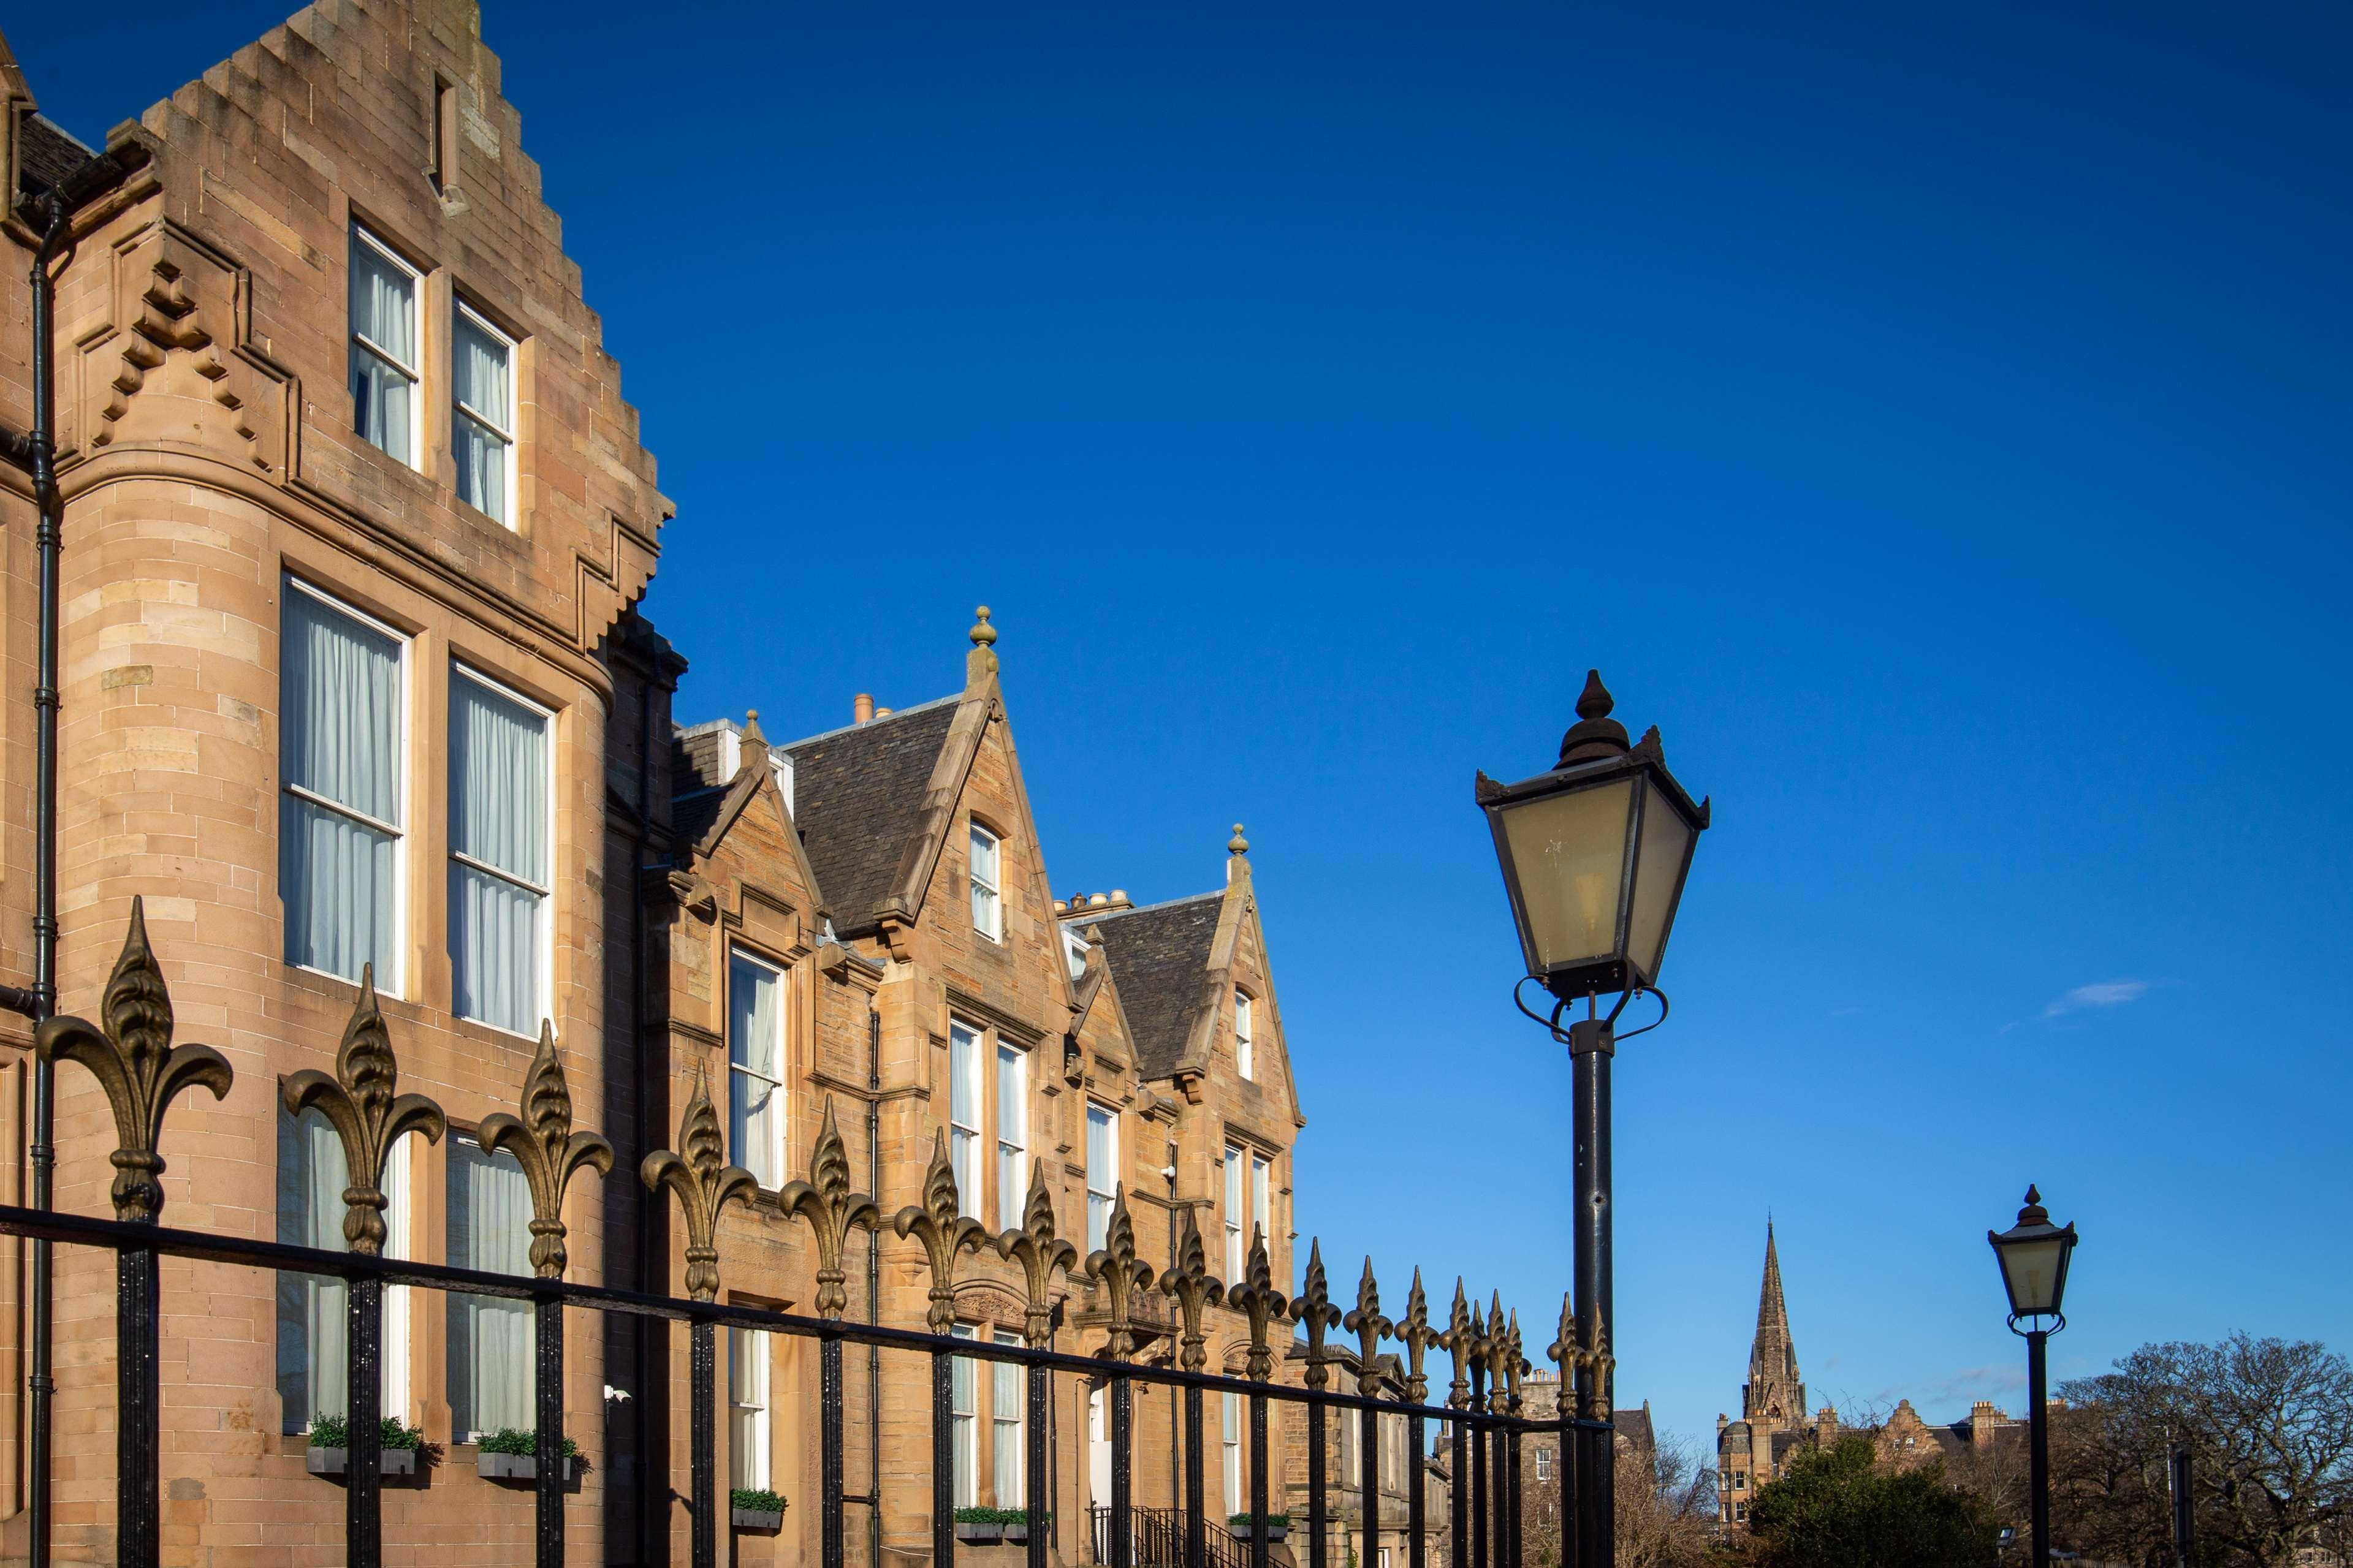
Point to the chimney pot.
(862, 708)
(882, 712)
(1096, 900)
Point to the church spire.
(1774, 1387)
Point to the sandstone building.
(355, 691)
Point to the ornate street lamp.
(2033, 1254)
(1594, 855)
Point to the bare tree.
(2269, 1424)
(1666, 1506)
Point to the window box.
(1277, 1526)
(514, 1467)
(336, 1461)
(983, 1534)
(1016, 1534)
(757, 1518)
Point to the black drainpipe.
(874, 1284)
(37, 452)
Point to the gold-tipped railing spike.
(703, 1182)
(1414, 1333)
(1194, 1288)
(1495, 1349)
(1461, 1342)
(938, 1223)
(1515, 1367)
(1563, 1349)
(129, 1050)
(1312, 1309)
(363, 1104)
(1257, 1299)
(1367, 1323)
(550, 1153)
(1115, 1267)
(832, 1210)
(1035, 1247)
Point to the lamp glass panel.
(1658, 872)
(2031, 1271)
(1568, 851)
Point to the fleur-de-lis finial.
(1414, 1333)
(367, 1114)
(1120, 1273)
(1495, 1349)
(1313, 1310)
(1461, 1342)
(1367, 1324)
(1515, 1367)
(130, 1054)
(1563, 1349)
(1257, 1299)
(945, 1231)
(1040, 1251)
(549, 1151)
(832, 1211)
(1193, 1286)
(704, 1183)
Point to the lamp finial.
(1595, 734)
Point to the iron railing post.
(1197, 1540)
(137, 1477)
(943, 1460)
(547, 1370)
(2184, 1514)
(363, 1421)
(702, 1376)
(1457, 1494)
(1500, 1467)
(1478, 1469)
(1036, 1482)
(829, 1457)
(1123, 1435)
(1258, 1542)
(1414, 1504)
(1317, 1521)
(1369, 1481)
(1566, 1468)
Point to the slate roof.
(857, 798)
(1160, 953)
(692, 814)
(47, 154)
(1634, 1426)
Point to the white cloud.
(2105, 994)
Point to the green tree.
(1835, 1508)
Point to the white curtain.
(482, 378)
(1012, 1137)
(1005, 1437)
(1231, 1419)
(1102, 1179)
(490, 1339)
(1234, 1243)
(339, 738)
(964, 1418)
(384, 312)
(498, 817)
(748, 1407)
(312, 1176)
(756, 1017)
(964, 1116)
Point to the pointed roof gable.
(1161, 952)
(701, 817)
(861, 793)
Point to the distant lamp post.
(1594, 855)
(2034, 1255)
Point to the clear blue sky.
(1937, 425)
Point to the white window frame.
(992, 885)
(1233, 1212)
(394, 984)
(964, 1426)
(1074, 948)
(1262, 1179)
(778, 1137)
(1543, 1463)
(460, 669)
(416, 373)
(1012, 1135)
(1102, 1183)
(1000, 1373)
(964, 1138)
(460, 409)
(1229, 1418)
(753, 1469)
(1245, 1048)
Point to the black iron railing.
(131, 1053)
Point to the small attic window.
(1074, 947)
(987, 899)
(1245, 1055)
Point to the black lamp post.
(1594, 855)
(2034, 1254)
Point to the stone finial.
(1237, 844)
(981, 662)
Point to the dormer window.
(1245, 1056)
(988, 901)
(481, 418)
(385, 373)
(1075, 947)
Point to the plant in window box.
(329, 1447)
(512, 1453)
(757, 1508)
(980, 1526)
(1017, 1523)
(1276, 1525)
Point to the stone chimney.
(1983, 1419)
(862, 708)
